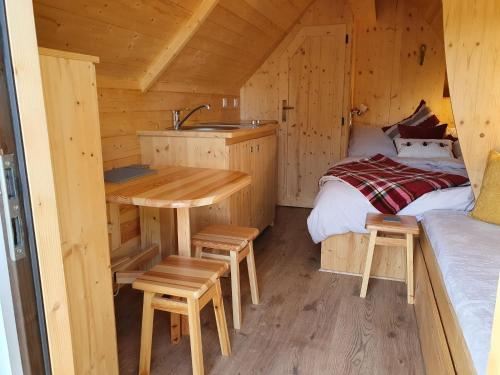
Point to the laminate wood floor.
(308, 322)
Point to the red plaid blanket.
(391, 186)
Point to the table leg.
(151, 234)
(184, 243)
(184, 231)
(151, 228)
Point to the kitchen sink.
(208, 128)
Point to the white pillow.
(424, 148)
(368, 141)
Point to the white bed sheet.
(340, 208)
(468, 255)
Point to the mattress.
(340, 208)
(468, 254)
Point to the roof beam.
(177, 43)
(364, 10)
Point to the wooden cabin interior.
(346, 152)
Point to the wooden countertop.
(177, 187)
(233, 135)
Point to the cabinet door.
(264, 186)
(312, 98)
(241, 202)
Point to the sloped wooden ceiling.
(128, 35)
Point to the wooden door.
(312, 81)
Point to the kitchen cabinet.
(253, 151)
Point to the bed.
(338, 217)
(456, 285)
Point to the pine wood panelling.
(433, 342)
(175, 46)
(32, 115)
(259, 94)
(124, 112)
(262, 94)
(388, 76)
(346, 253)
(312, 82)
(364, 10)
(472, 36)
(228, 43)
(458, 349)
(72, 118)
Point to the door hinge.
(343, 121)
(346, 38)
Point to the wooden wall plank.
(388, 76)
(472, 42)
(73, 122)
(30, 101)
(364, 10)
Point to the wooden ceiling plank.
(175, 46)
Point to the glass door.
(23, 341)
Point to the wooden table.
(175, 187)
(180, 188)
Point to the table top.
(407, 224)
(178, 187)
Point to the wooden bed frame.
(441, 338)
(346, 253)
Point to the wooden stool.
(196, 281)
(233, 244)
(405, 225)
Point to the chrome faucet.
(176, 115)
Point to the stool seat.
(224, 237)
(402, 224)
(181, 277)
(231, 244)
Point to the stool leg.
(146, 334)
(235, 289)
(195, 335)
(220, 317)
(197, 251)
(409, 268)
(252, 274)
(368, 264)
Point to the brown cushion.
(488, 204)
(421, 132)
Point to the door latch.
(11, 207)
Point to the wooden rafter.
(177, 43)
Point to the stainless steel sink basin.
(208, 128)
